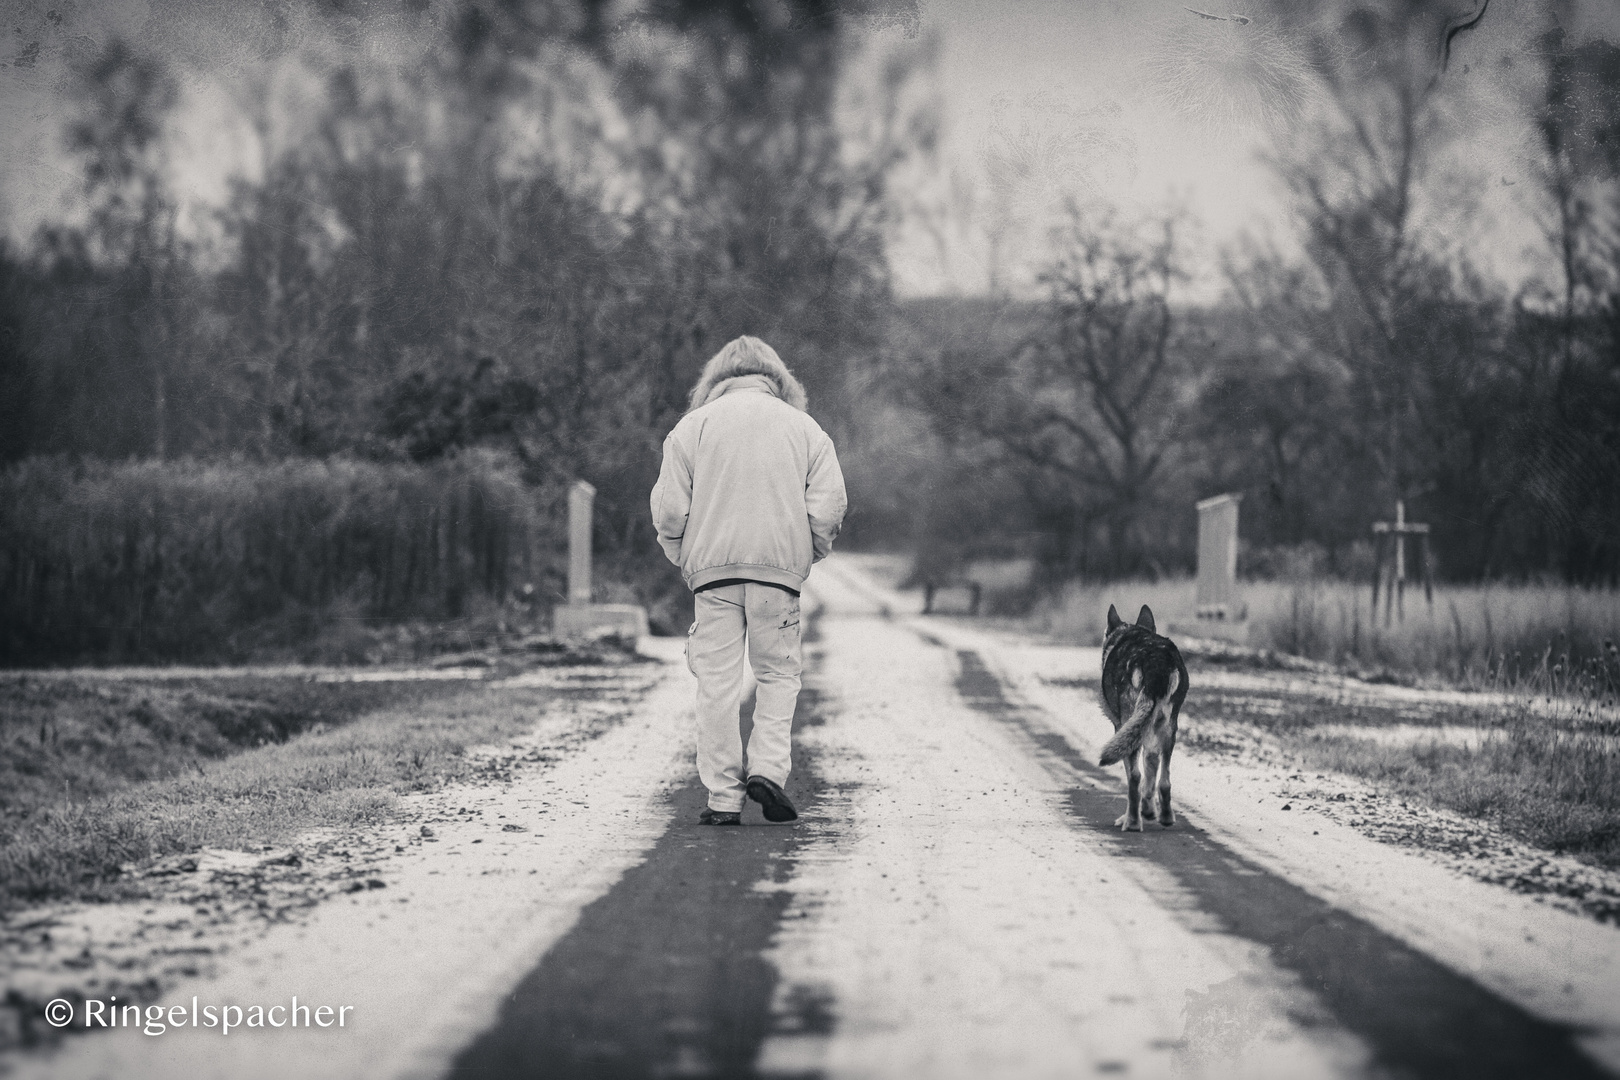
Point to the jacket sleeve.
(824, 498)
(672, 498)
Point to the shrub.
(178, 560)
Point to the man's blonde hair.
(747, 356)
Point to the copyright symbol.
(59, 1013)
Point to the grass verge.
(1545, 770)
(96, 778)
(1555, 788)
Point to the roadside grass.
(67, 738)
(1555, 639)
(1552, 787)
(171, 793)
(1545, 768)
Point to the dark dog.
(1135, 658)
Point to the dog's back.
(1136, 657)
(1130, 647)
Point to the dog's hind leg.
(1132, 817)
(1149, 773)
(1167, 816)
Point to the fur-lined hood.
(721, 376)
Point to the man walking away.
(749, 496)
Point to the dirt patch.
(196, 908)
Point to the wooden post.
(1428, 571)
(1400, 560)
(581, 500)
(1378, 573)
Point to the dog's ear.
(1113, 618)
(1145, 620)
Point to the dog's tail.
(1129, 736)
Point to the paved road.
(956, 902)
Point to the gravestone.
(581, 510)
(579, 618)
(1217, 559)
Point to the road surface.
(954, 902)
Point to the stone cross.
(581, 500)
(1217, 557)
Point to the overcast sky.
(1140, 103)
(1137, 103)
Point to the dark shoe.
(770, 796)
(719, 817)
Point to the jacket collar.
(756, 383)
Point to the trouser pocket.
(692, 630)
(788, 633)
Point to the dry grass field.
(1546, 638)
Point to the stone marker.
(579, 617)
(581, 505)
(1217, 558)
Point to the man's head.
(747, 356)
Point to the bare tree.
(1357, 176)
(1084, 398)
(1566, 360)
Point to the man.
(749, 496)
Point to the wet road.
(956, 902)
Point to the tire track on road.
(665, 974)
(1420, 1017)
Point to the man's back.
(750, 489)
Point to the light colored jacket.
(750, 488)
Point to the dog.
(1136, 658)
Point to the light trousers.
(762, 622)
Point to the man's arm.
(672, 498)
(824, 498)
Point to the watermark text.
(157, 1019)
